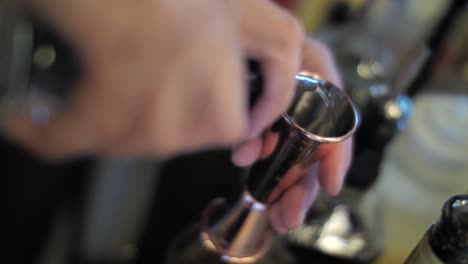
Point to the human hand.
(163, 77)
(299, 188)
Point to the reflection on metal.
(320, 113)
(460, 203)
(221, 236)
(339, 227)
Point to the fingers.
(334, 165)
(291, 177)
(270, 139)
(247, 153)
(290, 211)
(274, 38)
(276, 220)
(336, 158)
(278, 48)
(318, 58)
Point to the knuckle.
(162, 141)
(234, 134)
(113, 131)
(163, 148)
(228, 116)
(230, 131)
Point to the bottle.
(446, 241)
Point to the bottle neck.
(446, 241)
(448, 238)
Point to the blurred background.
(405, 65)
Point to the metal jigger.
(320, 113)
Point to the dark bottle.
(446, 241)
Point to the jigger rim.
(318, 81)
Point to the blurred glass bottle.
(373, 41)
(428, 162)
(446, 241)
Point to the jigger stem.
(320, 113)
